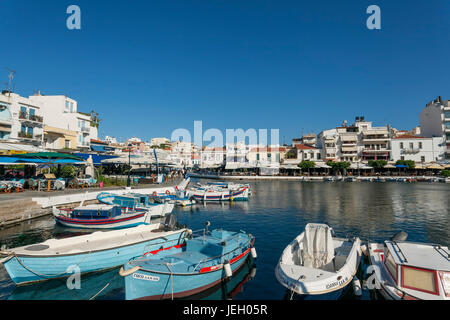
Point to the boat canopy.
(318, 247)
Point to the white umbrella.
(90, 166)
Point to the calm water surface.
(276, 213)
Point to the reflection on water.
(275, 214)
(110, 285)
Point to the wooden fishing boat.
(220, 194)
(101, 216)
(315, 262)
(131, 201)
(56, 258)
(410, 270)
(192, 267)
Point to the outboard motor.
(399, 236)
(171, 222)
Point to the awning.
(401, 166)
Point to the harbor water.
(275, 214)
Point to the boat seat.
(318, 247)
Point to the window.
(71, 107)
(411, 145)
(32, 111)
(67, 105)
(420, 145)
(30, 130)
(391, 266)
(401, 145)
(420, 279)
(422, 158)
(402, 158)
(67, 144)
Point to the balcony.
(30, 119)
(28, 136)
(410, 151)
(85, 130)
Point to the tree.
(377, 164)
(409, 163)
(338, 166)
(306, 165)
(445, 173)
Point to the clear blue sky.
(149, 67)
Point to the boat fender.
(124, 273)
(154, 193)
(253, 252)
(227, 268)
(356, 287)
(252, 273)
(167, 192)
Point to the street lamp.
(129, 164)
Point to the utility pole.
(11, 77)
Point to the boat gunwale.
(99, 250)
(244, 253)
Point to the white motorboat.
(317, 263)
(409, 270)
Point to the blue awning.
(401, 166)
(96, 158)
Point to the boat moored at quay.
(406, 270)
(198, 264)
(56, 258)
(101, 217)
(317, 263)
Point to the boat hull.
(238, 195)
(24, 269)
(143, 285)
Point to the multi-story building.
(435, 121)
(213, 156)
(308, 139)
(352, 143)
(64, 126)
(418, 149)
(185, 154)
(265, 155)
(21, 122)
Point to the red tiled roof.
(304, 146)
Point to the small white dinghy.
(317, 263)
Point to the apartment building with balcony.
(417, 148)
(21, 121)
(435, 121)
(64, 126)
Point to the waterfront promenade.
(26, 205)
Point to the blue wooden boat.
(56, 258)
(101, 217)
(197, 265)
(131, 201)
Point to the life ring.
(167, 192)
(154, 193)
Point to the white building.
(64, 126)
(21, 121)
(418, 149)
(185, 154)
(159, 141)
(213, 157)
(435, 121)
(352, 143)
